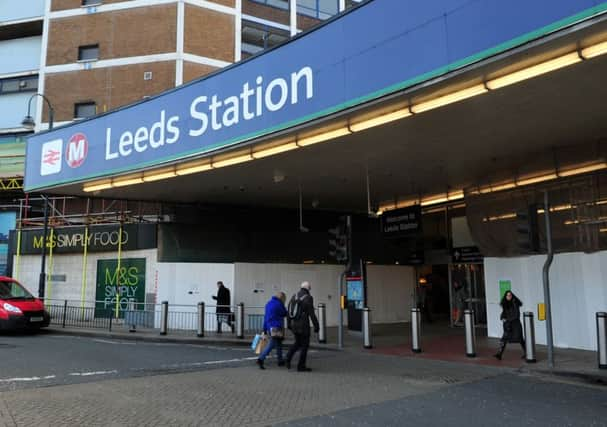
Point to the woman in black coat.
(511, 318)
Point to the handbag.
(261, 344)
(255, 341)
(277, 332)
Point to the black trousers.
(302, 342)
(223, 318)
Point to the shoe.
(498, 356)
(304, 369)
(260, 364)
(281, 363)
(288, 364)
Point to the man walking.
(301, 311)
(223, 307)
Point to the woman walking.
(273, 325)
(511, 318)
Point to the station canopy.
(395, 100)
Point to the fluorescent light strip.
(159, 176)
(534, 71)
(434, 201)
(232, 161)
(274, 150)
(96, 187)
(193, 168)
(380, 120)
(536, 179)
(595, 50)
(449, 99)
(315, 139)
(457, 195)
(583, 169)
(125, 182)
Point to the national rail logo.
(50, 159)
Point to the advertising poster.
(119, 287)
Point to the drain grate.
(440, 379)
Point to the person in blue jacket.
(273, 326)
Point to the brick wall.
(119, 34)
(109, 87)
(192, 71)
(209, 33)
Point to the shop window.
(88, 53)
(83, 110)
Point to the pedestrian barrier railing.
(184, 319)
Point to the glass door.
(467, 292)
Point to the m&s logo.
(76, 150)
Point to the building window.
(320, 9)
(88, 53)
(19, 84)
(257, 37)
(280, 4)
(352, 3)
(83, 110)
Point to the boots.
(498, 355)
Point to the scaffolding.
(62, 212)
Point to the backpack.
(295, 308)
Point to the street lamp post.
(29, 123)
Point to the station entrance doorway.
(467, 292)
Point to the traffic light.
(338, 240)
(527, 235)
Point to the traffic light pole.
(340, 325)
(546, 279)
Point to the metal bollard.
(64, 313)
(470, 333)
(133, 327)
(322, 323)
(416, 324)
(529, 337)
(601, 338)
(240, 320)
(367, 328)
(200, 332)
(164, 317)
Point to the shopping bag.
(261, 344)
(255, 341)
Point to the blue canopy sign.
(329, 69)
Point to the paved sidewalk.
(237, 396)
(438, 343)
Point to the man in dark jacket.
(223, 311)
(300, 325)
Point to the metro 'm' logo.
(76, 151)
